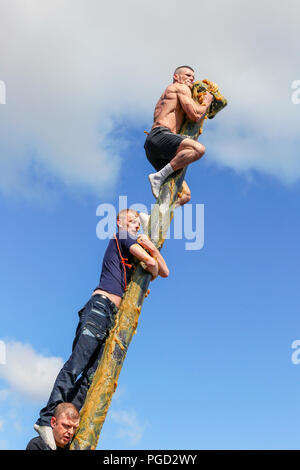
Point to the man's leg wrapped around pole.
(95, 321)
(105, 380)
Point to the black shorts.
(161, 146)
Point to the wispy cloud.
(74, 68)
(28, 373)
(128, 424)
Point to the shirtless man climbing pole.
(167, 150)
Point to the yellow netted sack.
(194, 129)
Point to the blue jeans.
(95, 321)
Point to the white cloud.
(1, 424)
(29, 373)
(73, 68)
(129, 426)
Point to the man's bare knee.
(197, 152)
(193, 147)
(186, 198)
(183, 198)
(188, 151)
(185, 195)
(200, 150)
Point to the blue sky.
(210, 366)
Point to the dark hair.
(183, 67)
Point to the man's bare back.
(168, 112)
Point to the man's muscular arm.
(146, 243)
(141, 254)
(193, 110)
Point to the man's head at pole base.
(184, 74)
(64, 422)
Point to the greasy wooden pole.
(105, 380)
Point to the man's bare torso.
(168, 111)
